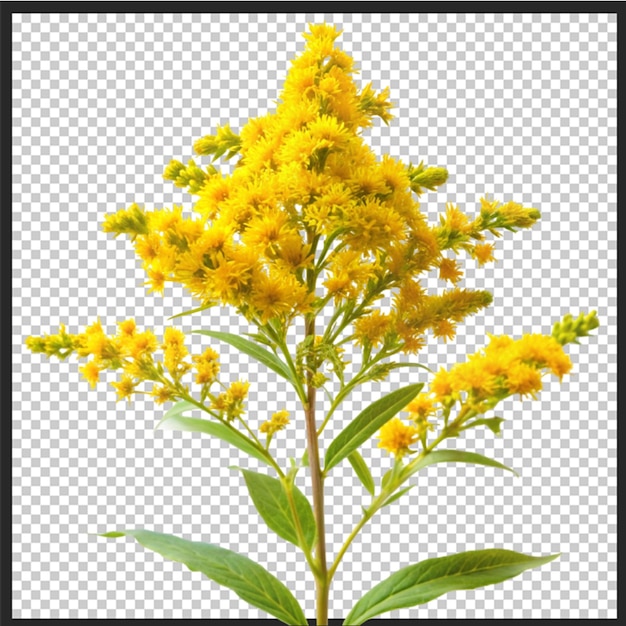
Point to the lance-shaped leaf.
(270, 498)
(204, 307)
(453, 456)
(362, 471)
(215, 429)
(251, 349)
(424, 581)
(180, 407)
(364, 425)
(247, 579)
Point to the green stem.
(321, 576)
(366, 517)
(322, 582)
(377, 503)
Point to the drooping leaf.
(270, 498)
(361, 470)
(455, 456)
(249, 580)
(424, 581)
(215, 429)
(251, 349)
(364, 425)
(180, 407)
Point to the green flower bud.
(568, 330)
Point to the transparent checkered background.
(519, 106)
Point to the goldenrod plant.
(321, 245)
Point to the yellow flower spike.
(396, 437)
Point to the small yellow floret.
(396, 437)
(279, 420)
(483, 252)
(91, 372)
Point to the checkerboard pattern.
(518, 106)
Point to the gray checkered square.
(518, 106)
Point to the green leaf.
(251, 349)
(492, 423)
(180, 407)
(398, 495)
(247, 579)
(422, 582)
(453, 456)
(215, 429)
(362, 471)
(412, 364)
(204, 307)
(270, 498)
(364, 425)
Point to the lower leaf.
(424, 581)
(247, 579)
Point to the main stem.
(322, 582)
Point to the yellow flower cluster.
(420, 409)
(134, 353)
(279, 421)
(396, 437)
(230, 403)
(307, 200)
(505, 367)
